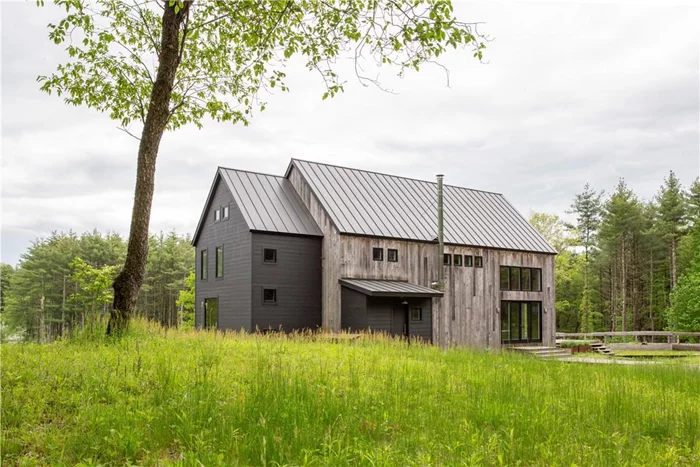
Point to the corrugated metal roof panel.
(382, 288)
(369, 203)
(269, 203)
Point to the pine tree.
(672, 221)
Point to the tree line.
(64, 283)
(627, 264)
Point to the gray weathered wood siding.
(234, 289)
(297, 278)
(468, 314)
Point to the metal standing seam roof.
(382, 288)
(379, 205)
(269, 203)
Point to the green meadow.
(160, 397)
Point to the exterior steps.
(599, 347)
(549, 353)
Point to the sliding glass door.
(521, 322)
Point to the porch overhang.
(384, 288)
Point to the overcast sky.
(571, 93)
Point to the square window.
(468, 261)
(219, 261)
(269, 295)
(269, 255)
(447, 259)
(224, 211)
(416, 314)
(217, 215)
(478, 261)
(458, 260)
(204, 265)
(378, 254)
(392, 255)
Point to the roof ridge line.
(395, 176)
(250, 172)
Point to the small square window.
(478, 261)
(269, 295)
(416, 314)
(468, 261)
(269, 255)
(378, 254)
(217, 215)
(392, 255)
(447, 259)
(224, 211)
(457, 260)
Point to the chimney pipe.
(441, 243)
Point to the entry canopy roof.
(380, 288)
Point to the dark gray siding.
(234, 289)
(297, 278)
(423, 328)
(354, 310)
(379, 312)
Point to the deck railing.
(671, 336)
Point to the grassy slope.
(266, 400)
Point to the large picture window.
(518, 278)
(521, 322)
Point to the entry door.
(521, 322)
(211, 313)
(398, 321)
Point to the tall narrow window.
(217, 215)
(536, 280)
(468, 261)
(458, 260)
(526, 282)
(203, 265)
(392, 255)
(505, 278)
(478, 261)
(447, 259)
(269, 255)
(219, 261)
(378, 254)
(211, 313)
(514, 278)
(224, 212)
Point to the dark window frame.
(447, 259)
(533, 272)
(420, 314)
(478, 261)
(468, 261)
(204, 264)
(505, 313)
(389, 251)
(225, 212)
(218, 262)
(376, 250)
(274, 256)
(205, 314)
(457, 260)
(274, 296)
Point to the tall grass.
(156, 397)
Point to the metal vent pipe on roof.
(441, 241)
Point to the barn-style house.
(348, 249)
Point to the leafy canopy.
(232, 50)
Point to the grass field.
(190, 398)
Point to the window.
(517, 278)
(447, 259)
(203, 265)
(217, 215)
(211, 313)
(269, 255)
(416, 314)
(378, 254)
(468, 261)
(219, 261)
(505, 278)
(478, 261)
(458, 260)
(521, 322)
(269, 295)
(392, 255)
(224, 212)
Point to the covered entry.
(394, 307)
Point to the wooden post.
(441, 244)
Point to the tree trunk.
(128, 282)
(651, 288)
(674, 271)
(624, 287)
(63, 310)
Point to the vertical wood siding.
(234, 289)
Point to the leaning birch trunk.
(129, 281)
